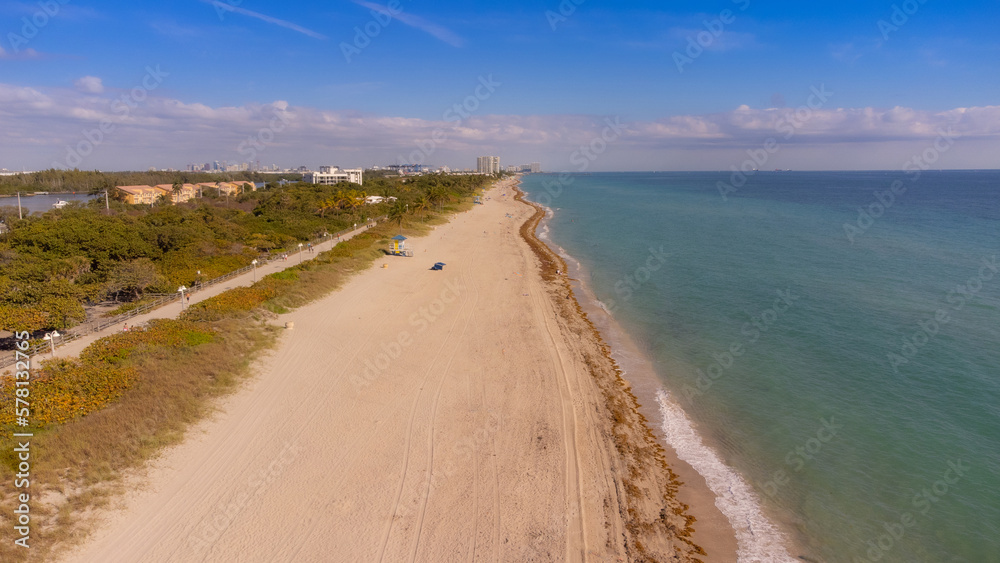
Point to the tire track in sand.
(409, 437)
(576, 529)
(444, 376)
(204, 479)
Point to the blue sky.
(693, 85)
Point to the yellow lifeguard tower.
(398, 246)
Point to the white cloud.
(725, 41)
(26, 54)
(225, 7)
(851, 51)
(174, 30)
(417, 22)
(89, 85)
(40, 124)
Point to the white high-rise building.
(488, 165)
(329, 175)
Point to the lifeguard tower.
(398, 247)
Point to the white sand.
(413, 415)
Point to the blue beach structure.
(398, 247)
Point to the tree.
(421, 203)
(131, 278)
(260, 242)
(22, 317)
(397, 213)
(326, 205)
(119, 195)
(63, 311)
(438, 195)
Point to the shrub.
(65, 389)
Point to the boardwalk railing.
(97, 325)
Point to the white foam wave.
(757, 539)
(603, 306)
(573, 262)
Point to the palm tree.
(357, 199)
(326, 205)
(439, 195)
(421, 203)
(342, 200)
(397, 213)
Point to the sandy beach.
(419, 415)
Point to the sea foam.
(757, 539)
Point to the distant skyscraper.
(488, 165)
(536, 167)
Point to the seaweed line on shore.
(622, 409)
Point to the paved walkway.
(173, 310)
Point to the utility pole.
(19, 216)
(106, 204)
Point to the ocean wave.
(758, 540)
(603, 307)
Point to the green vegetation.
(132, 393)
(126, 397)
(53, 180)
(55, 263)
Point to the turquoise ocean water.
(828, 344)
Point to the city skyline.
(624, 87)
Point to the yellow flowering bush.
(241, 299)
(61, 390)
(65, 390)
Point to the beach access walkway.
(173, 310)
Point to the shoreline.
(689, 487)
(720, 497)
(394, 405)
